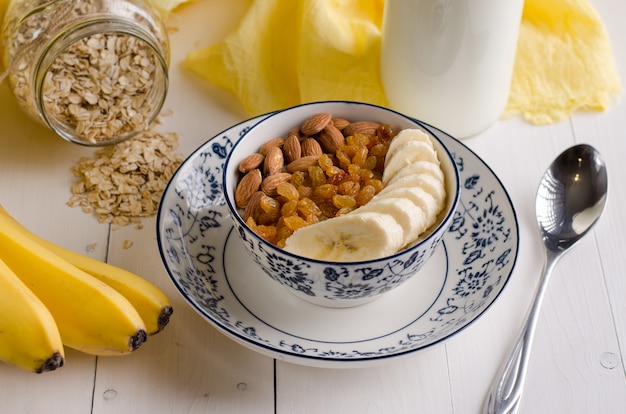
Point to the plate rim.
(319, 361)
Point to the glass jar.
(94, 71)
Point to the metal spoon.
(570, 199)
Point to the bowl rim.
(446, 219)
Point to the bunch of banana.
(413, 196)
(51, 297)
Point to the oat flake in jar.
(94, 71)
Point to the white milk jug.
(449, 63)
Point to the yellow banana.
(92, 316)
(29, 337)
(153, 305)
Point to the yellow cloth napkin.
(564, 62)
(287, 52)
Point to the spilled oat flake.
(125, 182)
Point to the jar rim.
(81, 30)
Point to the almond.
(248, 185)
(251, 162)
(361, 127)
(315, 123)
(274, 161)
(292, 149)
(253, 206)
(303, 163)
(275, 142)
(331, 138)
(340, 123)
(310, 146)
(270, 183)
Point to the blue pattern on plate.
(193, 229)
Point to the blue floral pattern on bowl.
(330, 283)
(339, 282)
(206, 262)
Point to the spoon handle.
(506, 390)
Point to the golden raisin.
(269, 233)
(312, 219)
(328, 208)
(290, 208)
(349, 150)
(358, 139)
(344, 201)
(306, 206)
(325, 191)
(365, 195)
(378, 150)
(316, 173)
(376, 183)
(338, 178)
(298, 178)
(353, 177)
(269, 211)
(360, 155)
(282, 232)
(269, 205)
(305, 191)
(365, 174)
(288, 190)
(343, 158)
(353, 169)
(348, 187)
(293, 223)
(333, 170)
(370, 163)
(325, 161)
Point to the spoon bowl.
(570, 199)
(571, 196)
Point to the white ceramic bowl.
(330, 283)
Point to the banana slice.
(407, 154)
(404, 210)
(420, 198)
(349, 238)
(426, 182)
(404, 136)
(420, 167)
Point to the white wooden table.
(577, 363)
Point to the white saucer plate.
(208, 264)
